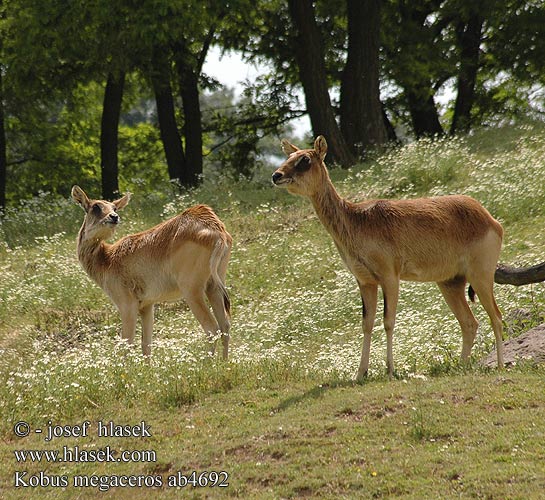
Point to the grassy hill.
(283, 418)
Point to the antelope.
(183, 257)
(451, 240)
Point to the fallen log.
(507, 275)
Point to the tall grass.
(296, 311)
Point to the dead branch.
(507, 275)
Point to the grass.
(283, 416)
(470, 435)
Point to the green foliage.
(55, 58)
(140, 158)
(64, 150)
(519, 41)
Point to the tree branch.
(219, 145)
(507, 275)
(20, 161)
(208, 41)
(259, 119)
(249, 121)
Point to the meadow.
(283, 417)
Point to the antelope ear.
(320, 146)
(79, 196)
(288, 147)
(122, 202)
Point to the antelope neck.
(93, 255)
(332, 210)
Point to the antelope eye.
(96, 209)
(303, 163)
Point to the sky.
(229, 68)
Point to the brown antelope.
(183, 257)
(451, 240)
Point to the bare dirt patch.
(530, 346)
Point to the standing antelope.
(183, 257)
(451, 240)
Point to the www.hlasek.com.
(75, 454)
(41, 479)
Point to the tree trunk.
(312, 74)
(362, 121)
(111, 111)
(390, 130)
(424, 116)
(412, 73)
(3, 155)
(470, 40)
(507, 275)
(189, 91)
(170, 136)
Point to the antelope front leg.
(146, 313)
(129, 314)
(368, 312)
(390, 290)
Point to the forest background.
(113, 96)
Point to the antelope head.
(304, 170)
(101, 217)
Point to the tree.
(361, 115)
(185, 30)
(312, 74)
(71, 44)
(418, 58)
(491, 49)
(189, 68)
(189, 92)
(244, 133)
(261, 31)
(512, 71)
(271, 35)
(111, 110)
(469, 35)
(166, 115)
